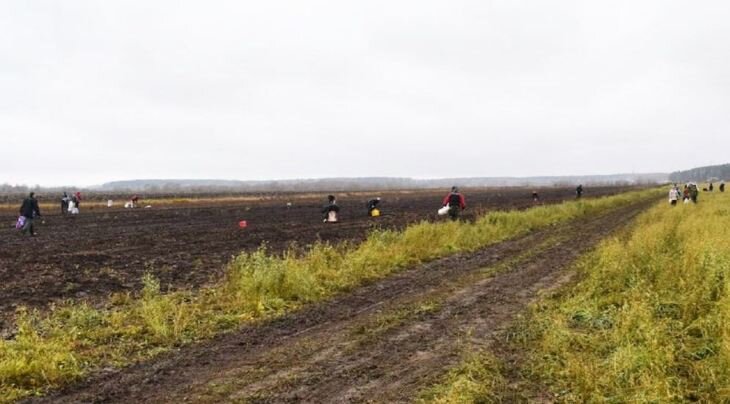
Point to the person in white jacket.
(673, 195)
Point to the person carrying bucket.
(331, 210)
(456, 203)
(29, 210)
(372, 205)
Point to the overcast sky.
(93, 91)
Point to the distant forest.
(196, 186)
(708, 173)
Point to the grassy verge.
(649, 320)
(57, 347)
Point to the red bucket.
(243, 224)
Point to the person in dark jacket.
(579, 191)
(331, 210)
(64, 203)
(722, 186)
(535, 197)
(29, 210)
(372, 205)
(456, 203)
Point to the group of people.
(690, 192)
(30, 211)
(70, 204)
(452, 205)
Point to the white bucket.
(444, 211)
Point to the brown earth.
(383, 342)
(108, 250)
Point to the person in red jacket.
(456, 203)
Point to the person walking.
(693, 192)
(722, 186)
(456, 203)
(535, 198)
(64, 204)
(29, 210)
(711, 187)
(673, 196)
(579, 191)
(372, 206)
(77, 199)
(331, 210)
(685, 194)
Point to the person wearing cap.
(29, 210)
(373, 205)
(331, 210)
(455, 202)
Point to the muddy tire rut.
(383, 342)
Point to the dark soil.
(354, 348)
(108, 250)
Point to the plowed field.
(384, 342)
(108, 250)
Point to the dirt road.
(384, 342)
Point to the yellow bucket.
(375, 213)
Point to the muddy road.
(108, 250)
(384, 342)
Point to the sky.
(95, 91)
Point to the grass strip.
(650, 319)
